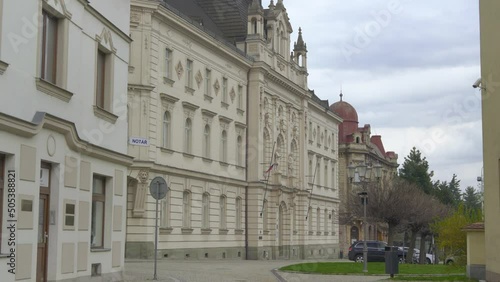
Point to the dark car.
(376, 251)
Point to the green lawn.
(408, 272)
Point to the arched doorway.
(354, 234)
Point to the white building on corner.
(63, 139)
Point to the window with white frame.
(238, 213)
(103, 95)
(166, 129)
(208, 82)
(223, 212)
(188, 136)
(189, 73)
(239, 150)
(205, 212)
(168, 63)
(186, 209)
(49, 52)
(98, 210)
(224, 146)
(206, 141)
(224, 90)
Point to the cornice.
(105, 21)
(43, 120)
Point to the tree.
(471, 199)
(448, 192)
(451, 239)
(415, 169)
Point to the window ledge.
(223, 231)
(168, 81)
(53, 90)
(224, 164)
(166, 230)
(189, 90)
(188, 155)
(99, 250)
(318, 233)
(205, 159)
(206, 230)
(105, 115)
(167, 150)
(208, 98)
(186, 230)
(224, 105)
(3, 68)
(239, 231)
(240, 112)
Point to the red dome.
(345, 111)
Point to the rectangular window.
(49, 48)
(240, 97)
(186, 213)
(69, 216)
(101, 80)
(164, 213)
(189, 73)
(208, 81)
(224, 90)
(98, 206)
(168, 63)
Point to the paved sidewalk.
(227, 270)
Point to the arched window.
(239, 150)
(206, 142)
(279, 157)
(186, 209)
(254, 25)
(188, 136)
(357, 140)
(205, 216)
(326, 175)
(264, 216)
(224, 146)
(318, 220)
(266, 151)
(238, 213)
(223, 212)
(325, 220)
(166, 130)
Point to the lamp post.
(361, 174)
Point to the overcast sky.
(407, 66)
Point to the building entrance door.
(43, 223)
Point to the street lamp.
(362, 174)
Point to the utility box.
(391, 260)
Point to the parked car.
(429, 258)
(376, 251)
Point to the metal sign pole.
(156, 232)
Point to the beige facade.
(218, 102)
(490, 75)
(356, 147)
(62, 127)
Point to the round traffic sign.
(158, 188)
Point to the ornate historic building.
(63, 132)
(249, 152)
(357, 146)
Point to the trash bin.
(391, 260)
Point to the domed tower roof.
(344, 110)
(350, 120)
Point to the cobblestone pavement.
(227, 270)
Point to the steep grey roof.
(230, 16)
(195, 13)
(323, 103)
